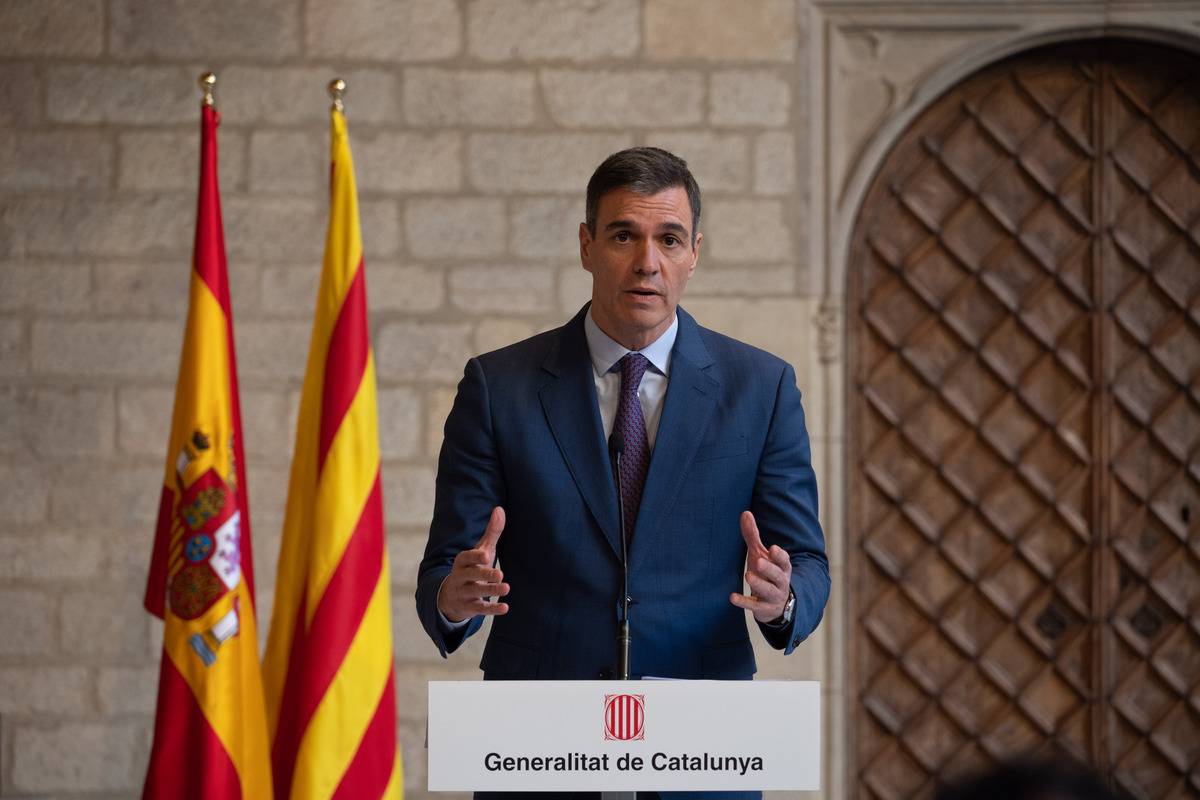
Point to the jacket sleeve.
(469, 485)
(785, 507)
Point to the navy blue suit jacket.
(525, 433)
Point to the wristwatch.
(789, 611)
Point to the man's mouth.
(643, 292)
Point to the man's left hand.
(769, 573)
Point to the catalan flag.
(210, 733)
(328, 667)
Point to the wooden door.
(1025, 432)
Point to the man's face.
(641, 259)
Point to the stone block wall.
(474, 125)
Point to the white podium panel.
(530, 736)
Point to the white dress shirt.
(606, 353)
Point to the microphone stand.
(616, 445)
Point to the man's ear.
(695, 254)
(585, 244)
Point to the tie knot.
(633, 367)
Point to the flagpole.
(208, 82)
(337, 88)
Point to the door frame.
(856, 45)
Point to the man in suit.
(715, 471)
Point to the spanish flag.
(328, 668)
(210, 733)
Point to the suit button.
(605, 673)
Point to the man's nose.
(646, 257)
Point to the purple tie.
(635, 459)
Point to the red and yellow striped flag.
(328, 667)
(210, 734)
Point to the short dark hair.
(645, 170)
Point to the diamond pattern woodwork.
(1027, 427)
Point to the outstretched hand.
(473, 582)
(768, 572)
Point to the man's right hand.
(473, 581)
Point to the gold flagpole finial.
(208, 82)
(337, 88)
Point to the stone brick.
(56, 422)
(388, 30)
(291, 290)
(381, 228)
(575, 288)
(720, 161)
(276, 229)
(53, 159)
(127, 690)
(455, 227)
(774, 163)
(77, 757)
(20, 94)
(549, 162)
(438, 403)
(393, 287)
(266, 425)
(104, 625)
(528, 30)
(502, 289)
(399, 422)
(157, 288)
(288, 161)
(289, 95)
(209, 29)
(51, 28)
(50, 555)
(170, 160)
(747, 230)
(44, 690)
(126, 551)
(268, 498)
(408, 495)
(410, 638)
(14, 347)
(106, 348)
(547, 227)
(716, 30)
(127, 95)
(106, 494)
(27, 624)
(26, 494)
(493, 333)
(623, 99)
(765, 281)
(409, 162)
(44, 287)
(405, 552)
(780, 326)
(422, 350)
(273, 349)
(476, 98)
(749, 97)
(62, 225)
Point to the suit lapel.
(569, 402)
(687, 411)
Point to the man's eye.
(622, 236)
(670, 241)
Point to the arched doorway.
(1024, 459)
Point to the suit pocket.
(503, 659)
(733, 446)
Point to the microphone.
(616, 446)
